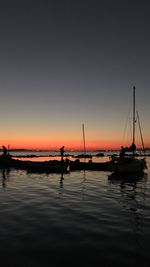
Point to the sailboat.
(127, 162)
(84, 155)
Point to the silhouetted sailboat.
(128, 163)
(84, 155)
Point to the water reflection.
(61, 185)
(61, 180)
(128, 177)
(3, 178)
(132, 197)
(5, 174)
(83, 184)
(132, 187)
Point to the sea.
(79, 218)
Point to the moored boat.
(32, 166)
(83, 156)
(127, 162)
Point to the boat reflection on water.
(130, 185)
(127, 177)
(132, 196)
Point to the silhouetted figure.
(122, 153)
(62, 153)
(4, 151)
(133, 147)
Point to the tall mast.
(133, 115)
(83, 138)
(140, 131)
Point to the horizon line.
(69, 149)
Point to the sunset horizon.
(68, 147)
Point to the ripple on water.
(80, 213)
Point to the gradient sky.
(64, 63)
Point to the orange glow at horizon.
(52, 144)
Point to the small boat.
(56, 166)
(100, 154)
(83, 156)
(127, 162)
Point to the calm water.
(78, 218)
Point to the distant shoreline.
(57, 150)
(68, 150)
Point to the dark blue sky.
(67, 62)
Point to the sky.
(65, 63)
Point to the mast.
(133, 142)
(83, 138)
(140, 131)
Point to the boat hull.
(31, 166)
(131, 165)
(95, 166)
